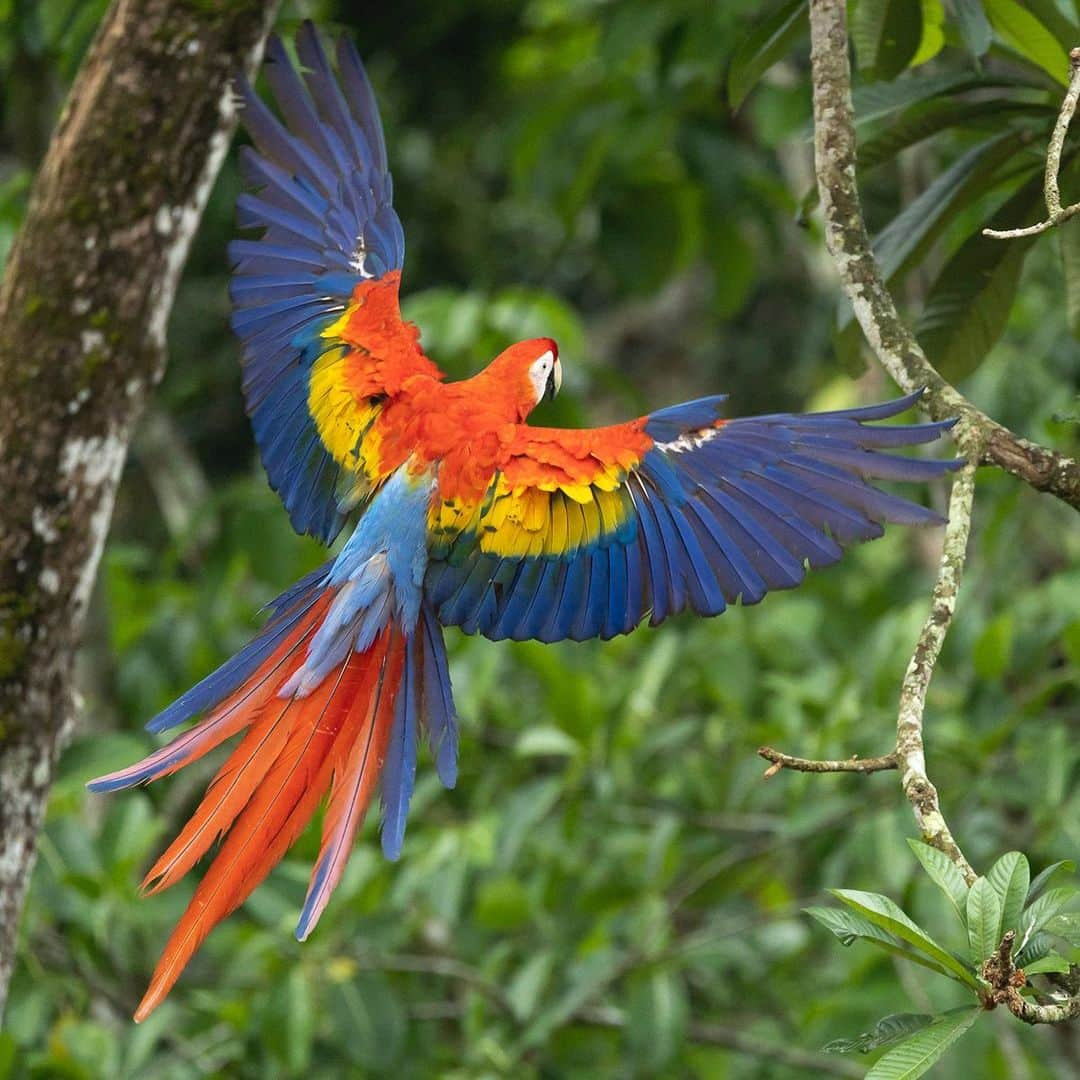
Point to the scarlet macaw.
(467, 516)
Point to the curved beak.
(554, 382)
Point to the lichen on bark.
(83, 308)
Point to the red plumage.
(264, 795)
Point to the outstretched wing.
(315, 297)
(584, 533)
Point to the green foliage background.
(612, 886)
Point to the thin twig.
(899, 353)
(978, 436)
(1051, 192)
(1005, 980)
(911, 758)
(853, 764)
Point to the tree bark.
(84, 306)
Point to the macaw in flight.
(466, 516)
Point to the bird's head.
(530, 371)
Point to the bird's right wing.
(315, 296)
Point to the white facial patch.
(539, 371)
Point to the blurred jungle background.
(612, 888)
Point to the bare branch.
(1053, 164)
(980, 437)
(1005, 980)
(853, 764)
(910, 755)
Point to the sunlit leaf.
(1050, 14)
(915, 1056)
(1028, 36)
(933, 32)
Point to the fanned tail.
(322, 709)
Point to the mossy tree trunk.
(83, 310)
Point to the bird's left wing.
(584, 533)
(315, 296)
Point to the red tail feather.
(358, 761)
(268, 790)
(256, 704)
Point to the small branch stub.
(1056, 213)
(1005, 980)
(849, 765)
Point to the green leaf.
(1066, 926)
(1069, 239)
(932, 39)
(968, 307)
(993, 647)
(886, 36)
(369, 1009)
(974, 27)
(1041, 911)
(849, 928)
(546, 741)
(912, 231)
(875, 101)
(526, 987)
(925, 119)
(916, 1055)
(300, 1020)
(881, 911)
(1018, 27)
(583, 980)
(983, 920)
(1037, 946)
(944, 874)
(657, 1020)
(1010, 878)
(769, 41)
(1049, 963)
(1051, 16)
(1049, 876)
(885, 1032)
(502, 903)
